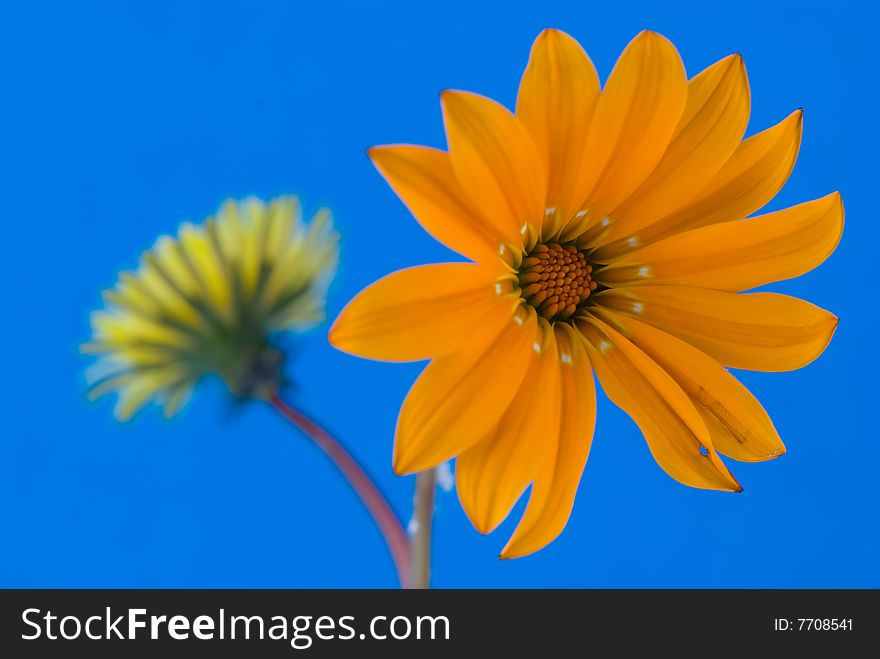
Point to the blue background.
(120, 120)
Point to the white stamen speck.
(632, 241)
(605, 221)
(604, 345)
(501, 249)
(498, 289)
(518, 320)
(550, 211)
(523, 229)
(537, 347)
(445, 478)
(580, 214)
(565, 358)
(638, 307)
(644, 271)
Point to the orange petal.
(752, 177)
(737, 255)
(738, 425)
(491, 475)
(496, 163)
(415, 314)
(459, 397)
(675, 432)
(556, 483)
(754, 331)
(557, 96)
(423, 179)
(707, 134)
(634, 121)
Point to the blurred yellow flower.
(609, 236)
(208, 301)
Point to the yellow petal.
(754, 331)
(307, 257)
(491, 475)
(556, 484)
(200, 252)
(754, 174)
(254, 215)
(226, 227)
(459, 397)
(154, 280)
(140, 388)
(132, 398)
(177, 397)
(707, 134)
(737, 255)
(424, 180)
(284, 218)
(415, 314)
(123, 330)
(675, 432)
(738, 425)
(557, 96)
(634, 121)
(496, 163)
(172, 262)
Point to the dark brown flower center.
(555, 279)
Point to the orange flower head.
(611, 232)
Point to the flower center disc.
(555, 280)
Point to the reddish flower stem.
(384, 516)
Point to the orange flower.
(607, 234)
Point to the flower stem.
(420, 529)
(384, 516)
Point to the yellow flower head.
(209, 302)
(608, 235)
